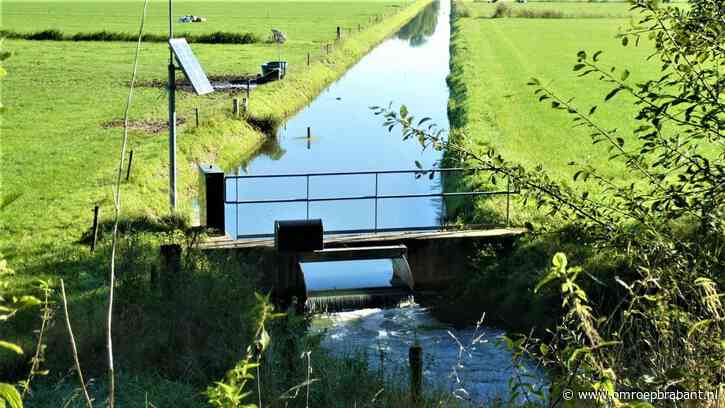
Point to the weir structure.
(423, 258)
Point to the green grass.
(495, 58)
(61, 161)
(303, 22)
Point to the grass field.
(495, 58)
(59, 158)
(304, 22)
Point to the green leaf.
(11, 347)
(9, 394)
(559, 261)
(264, 339)
(548, 278)
(612, 93)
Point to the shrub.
(502, 10)
(461, 10)
(53, 35)
(528, 13)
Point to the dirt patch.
(223, 83)
(145, 125)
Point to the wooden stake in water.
(96, 209)
(415, 358)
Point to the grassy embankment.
(492, 60)
(58, 161)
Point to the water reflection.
(411, 69)
(417, 31)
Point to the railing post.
(307, 200)
(211, 197)
(236, 206)
(376, 202)
(508, 201)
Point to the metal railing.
(375, 197)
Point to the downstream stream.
(409, 68)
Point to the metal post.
(196, 114)
(172, 136)
(130, 161)
(236, 206)
(508, 200)
(308, 198)
(376, 202)
(172, 117)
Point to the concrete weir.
(433, 258)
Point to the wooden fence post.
(170, 268)
(308, 59)
(96, 209)
(130, 161)
(235, 106)
(415, 358)
(339, 34)
(196, 114)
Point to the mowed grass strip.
(493, 60)
(61, 159)
(307, 21)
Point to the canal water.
(409, 68)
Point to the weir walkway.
(424, 258)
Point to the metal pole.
(308, 198)
(236, 206)
(508, 200)
(376, 202)
(172, 117)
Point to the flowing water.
(409, 68)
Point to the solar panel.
(190, 66)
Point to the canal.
(408, 68)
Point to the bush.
(461, 10)
(218, 37)
(528, 13)
(502, 10)
(53, 35)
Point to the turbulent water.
(479, 372)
